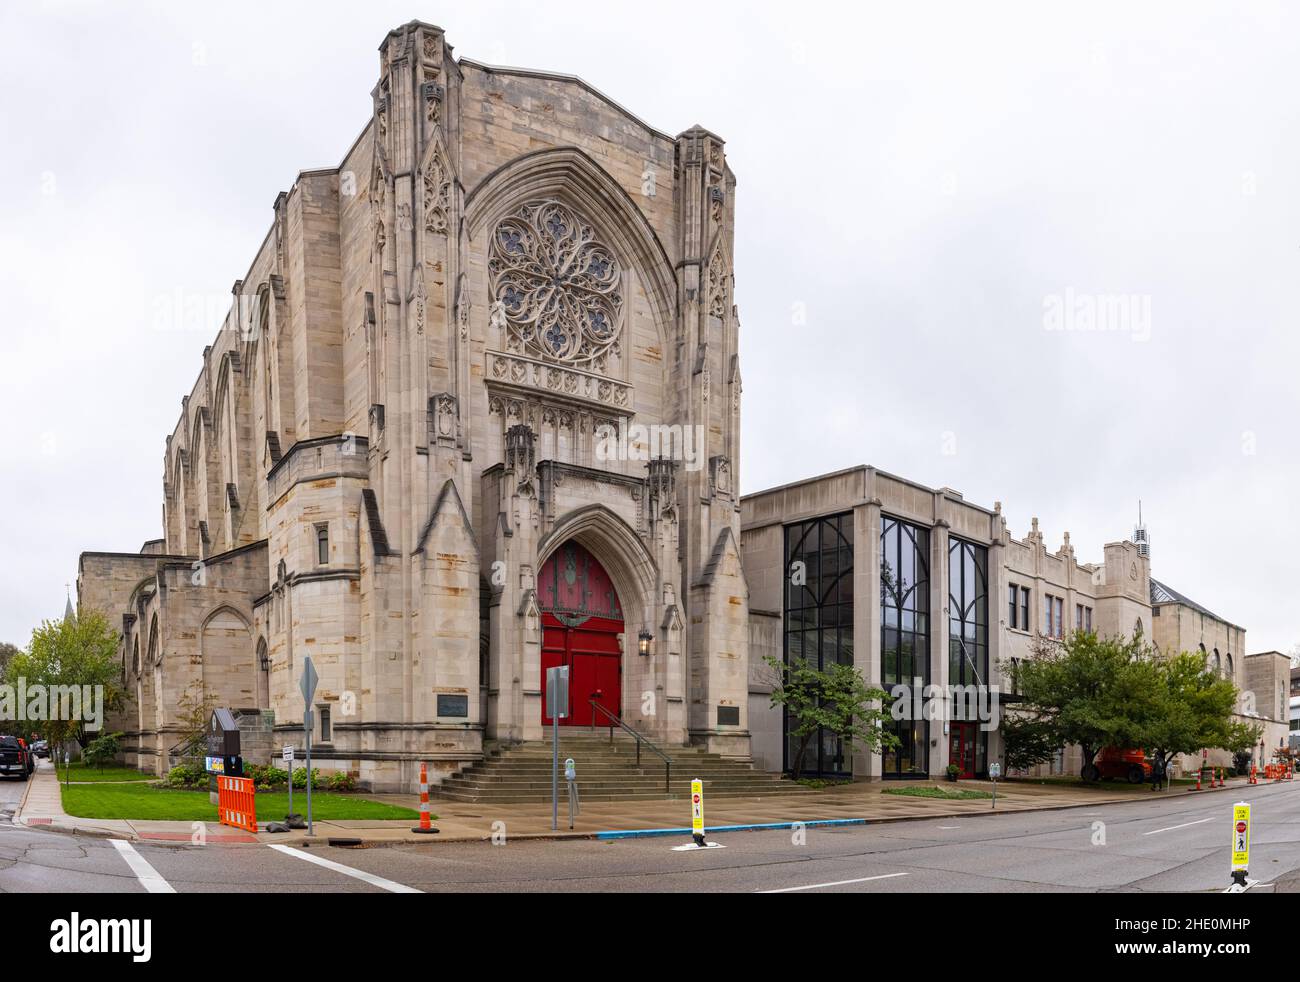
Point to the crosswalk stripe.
(1185, 825)
(360, 874)
(145, 873)
(837, 883)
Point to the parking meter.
(571, 778)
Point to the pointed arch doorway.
(582, 627)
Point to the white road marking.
(1185, 825)
(837, 883)
(145, 873)
(360, 874)
(948, 828)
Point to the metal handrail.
(614, 720)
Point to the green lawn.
(144, 802)
(80, 772)
(943, 794)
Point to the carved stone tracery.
(557, 286)
(437, 194)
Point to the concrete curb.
(299, 839)
(40, 825)
(31, 780)
(756, 827)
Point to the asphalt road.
(1152, 844)
(11, 793)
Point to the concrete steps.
(607, 771)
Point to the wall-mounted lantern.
(643, 642)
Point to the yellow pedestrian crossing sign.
(1240, 836)
(697, 807)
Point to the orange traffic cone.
(425, 827)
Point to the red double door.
(582, 624)
(595, 667)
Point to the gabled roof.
(1162, 594)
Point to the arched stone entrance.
(582, 628)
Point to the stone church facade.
(474, 412)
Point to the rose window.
(558, 287)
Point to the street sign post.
(1240, 847)
(557, 707)
(287, 754)
(697, 812)
(308, 687)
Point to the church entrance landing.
(582, 627)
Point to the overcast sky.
(931, 199)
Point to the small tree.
(101, 750)
(835, 699)
(194, 709)
(1027, 740)
(72, 652)
(1194, 710)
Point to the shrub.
(187, 776)
(342, 781)
(269, 778)
(102, 750)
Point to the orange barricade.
(235, 803)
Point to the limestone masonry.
(424, 435)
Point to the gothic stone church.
(396, 457)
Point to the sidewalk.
(467, 822)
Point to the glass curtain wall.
(819, 624)
(968, 638)
(905, 637)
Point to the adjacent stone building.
(918, 587)
(474, 413)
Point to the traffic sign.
(308, 686)
(557, 692)
(1240, 836)
(287, 753)
(697, 808)
(308, 682)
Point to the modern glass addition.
(968, 613)
(905, 636)
(819, 621)
(968, 648)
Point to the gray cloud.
(920, 180)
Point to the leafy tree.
(1027, 740)
(1086, 690)
(102, 750)
(194, 709)
(834, 698)
(80, 651)
(1099, 692)
(1193, 709)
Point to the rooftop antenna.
(1140, 537)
